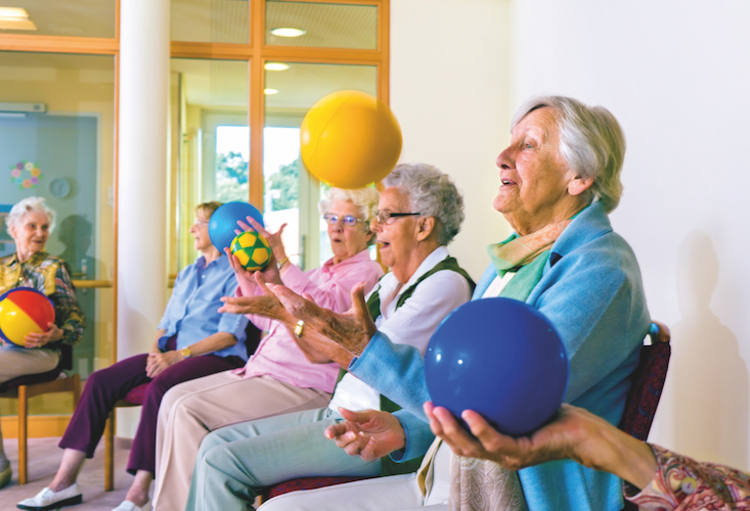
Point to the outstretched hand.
(369, 434)
(351, 330)
(266, 305)
(574, 434)
(273, 238)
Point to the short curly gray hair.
(591, 142)
(29, 204)
(431, 193)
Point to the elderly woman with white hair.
(281, 376)
(559, 179)
(30, 223)
(420, 212)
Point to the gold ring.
(298, 328)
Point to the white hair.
(364, 198)
(23, 206)
(431, 193)
(591, 143)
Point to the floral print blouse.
(683, 484)
(50, 275)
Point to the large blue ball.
(223, 222)
(501, 358)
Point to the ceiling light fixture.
(270, 92)
(15, 18)
(276, 66)
(288, 32)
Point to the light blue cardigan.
(591, 290)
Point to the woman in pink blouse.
(654, 478)
(279, 378)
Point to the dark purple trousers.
(107, 386)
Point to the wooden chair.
(647, 382)
(135, 398)
(25, 387)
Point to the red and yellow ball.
(24, 310)
(251, 250)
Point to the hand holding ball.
(350, 139)
(501, 358)
(24, 310)
(223, 222)
(251, 250)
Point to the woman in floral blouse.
(654, 478)
(29, 224)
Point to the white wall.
(676, 74)
(449, 90)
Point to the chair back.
(646, 383)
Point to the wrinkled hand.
(546, 444)
(274, 239)
(573, 434)
(267, 305)
(157, 362)
(370, 434)
(351, 330)
(37, 340)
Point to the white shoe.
(126, 505)
(47, 499)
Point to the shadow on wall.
(711, 402)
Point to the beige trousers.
(15, 361)
(193, 409)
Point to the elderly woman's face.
(397, 237)
(31, 233)
(347, 240)
(199, 230)
(535, 179)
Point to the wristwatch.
(186, 352)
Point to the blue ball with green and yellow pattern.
(251, 250)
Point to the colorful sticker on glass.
(25, 174)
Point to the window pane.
(210, 143)
(62, 150)
(210, 21)
(291, 192)
(79, 18)
(323, 25)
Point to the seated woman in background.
(193, 340)
(420, 212)
(654, 478)
(278, 378)
(29, 223)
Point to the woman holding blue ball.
(559, 179)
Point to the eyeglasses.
(349, 220)
(199, 223)
(383, 216)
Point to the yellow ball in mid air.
(350, 139)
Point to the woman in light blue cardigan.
(559, 180)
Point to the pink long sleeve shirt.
(330, 286)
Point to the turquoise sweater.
(591, 290)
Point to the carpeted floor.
(44, 457)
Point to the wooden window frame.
(256, 52)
